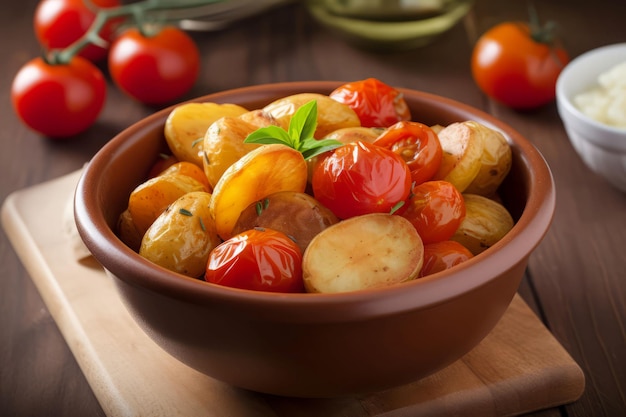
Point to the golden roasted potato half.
(148, 200)
(369, 251)
(259, 173)
(182, 237)
(223, 143)
(486, 222)
(187, 124)
(495, 161)
(331, 114)
(462, 147)
(128, 232)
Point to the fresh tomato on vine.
(517, 64)
(154, 68)
(439, 256)
(258, 259)
(376, 103)
(58, 100)
(436, 209)
(360, 178)
(59, 23)
(417, 144)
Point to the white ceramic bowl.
(601, 147)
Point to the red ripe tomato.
(512, 65)
(58, 100)
(259, 260)
(361, 178)
(436, 209)
(154, 69)
(439, 256)
(376, 103)
(417, 144)
(59, 23)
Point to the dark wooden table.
(576, 281)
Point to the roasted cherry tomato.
(417, 144)
(436, 209)
(258, 259)
(154, 69)
(360, 178)
(518, 66)
(376, 103)
(58, 23)
(58, 100)
(439, 256)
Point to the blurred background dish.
(216, 16)
(391, 25)
(601, 146)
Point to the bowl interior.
(124, 162)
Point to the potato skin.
(362, 252)
(187, 124)
(182, 237)
(223, 143)
(496, 160)
(152, 197)
(331, 114)
(486, 222)
(296, 214)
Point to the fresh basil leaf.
(303, 122)
(268, 135)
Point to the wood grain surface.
(576, 279)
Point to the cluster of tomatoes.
(61, 94)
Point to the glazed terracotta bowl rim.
(122, 262)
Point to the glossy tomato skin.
(376, 103)
(259, 260)
(417, 144)
(154, 69)
(436, 209)
(439, 256)
(58, 100)
(59, 23)
(515, 70)
(360, 178)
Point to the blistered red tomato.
(258, 259)
(517, 66)
(59, 23)
(154, 69)
(417, 144)
(58, 100)
(436, 209)
(376, 103)
(360, 178)
(439, 256)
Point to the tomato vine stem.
(137, 11)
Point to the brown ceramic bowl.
(314, 345)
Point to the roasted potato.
(182, 237)
(261, 172)
(190, 169)
(223, 143)
(187, 124)
(369, 251)
(495, 162)
(151, 198)
(462, 147)
(296, 214)
(331, 114)
(486, 222)
(127, 231)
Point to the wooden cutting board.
(520, 367)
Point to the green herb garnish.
(299, 135)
